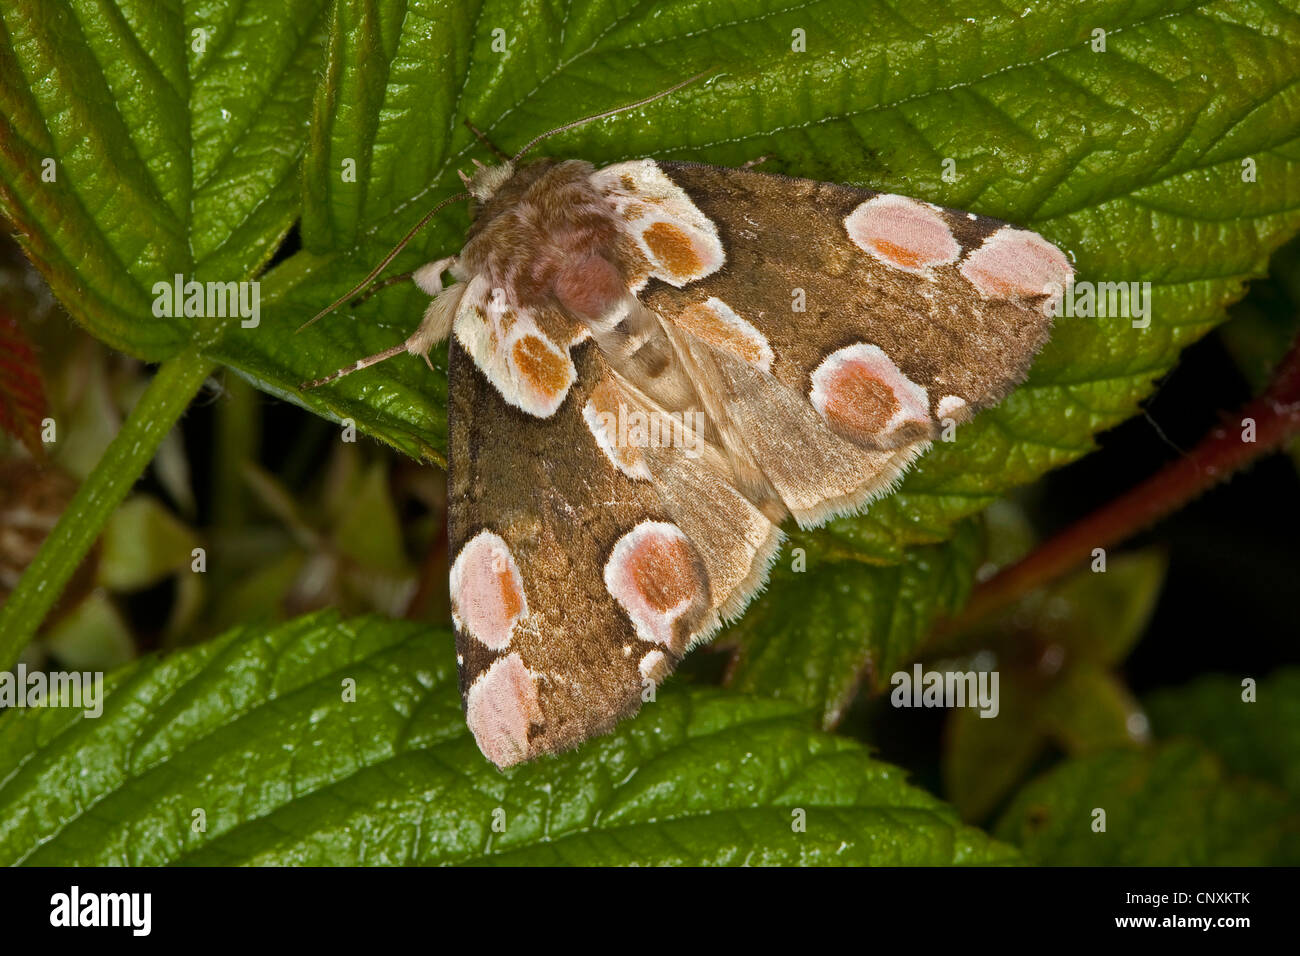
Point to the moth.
(652, 365)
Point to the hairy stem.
(174, 385)
(1276, 415)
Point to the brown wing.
(579, 579)
(910, 313)
(815, 472)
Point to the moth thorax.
(488, 179)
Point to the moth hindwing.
(651, 366)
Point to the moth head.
(486, 180)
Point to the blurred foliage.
(1252, 726)
(354, 534)
(1057, 652)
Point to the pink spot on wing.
(653, 574)
(500, 708)
(1016, 263)
(864, 396)
(487, 591)
(902, 233)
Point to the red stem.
(1277, 418)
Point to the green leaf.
(253, 729)
(369, 529)
(984, 758)
(1082, 711)
(1171, 806)
(1090, 710)
(1089, 617)
(820, 632)
(1260, 737)
(174, 134)
(1264, 325)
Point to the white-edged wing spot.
(680, 243)
(718, 324)
(656, 577)
(487, 591)
(500, 707)
(532, 372)
(902, 233)
(1016, 263)
(864, 396)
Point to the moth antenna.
(618, 109)
(396, 250)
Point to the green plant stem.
(174, 385)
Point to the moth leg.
(436, 324)
(366, 362)
(428, 277)
(756, 162)
(379, 286)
